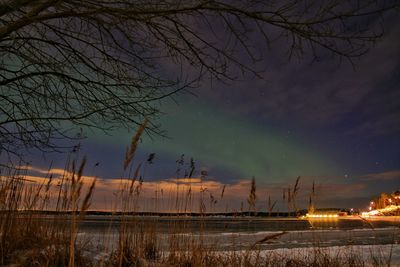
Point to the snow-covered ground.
(368, 254)
(389, 252)
(377, 239)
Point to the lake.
(227, 233)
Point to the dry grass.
(28, 238)
(32, 239)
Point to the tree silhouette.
(69, 64)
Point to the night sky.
(326, 121)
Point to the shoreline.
(284, 216)
(356, 217)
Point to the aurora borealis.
(330, 122)
(239, 147)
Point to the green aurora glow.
(230, 144)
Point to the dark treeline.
(280, 214)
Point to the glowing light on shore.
(322, 215)
(380, 212)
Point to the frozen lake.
(227, 233)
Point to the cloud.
(325, 93)
(186, 180)
(341, 191)
(382, 176)
(381, 116)
(180, 194)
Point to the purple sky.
(328, 121)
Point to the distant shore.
(246, 214)
(173, 214)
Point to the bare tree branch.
(106, 64)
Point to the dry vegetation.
(30, 238)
